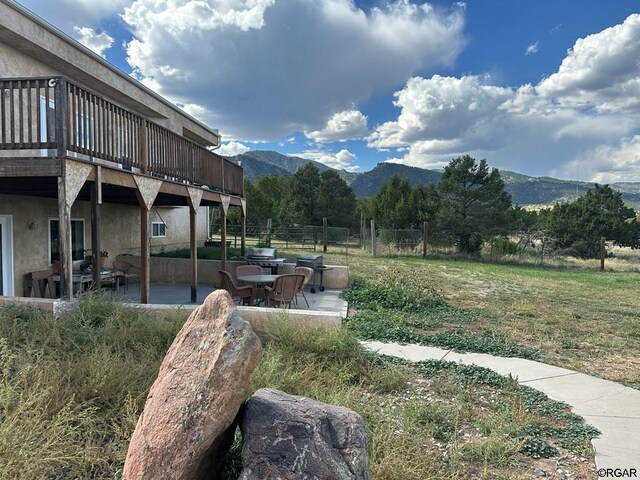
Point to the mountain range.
(525, 190)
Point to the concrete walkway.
(610, 407)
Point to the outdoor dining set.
(255, 287)
(46, 283)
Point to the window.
(77, 239)
(158, 229)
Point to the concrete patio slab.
(610, 407)
(180, 294)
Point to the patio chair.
(124, 270)
(242, 294)
(284, 290)
(248, 270)
(308, 273)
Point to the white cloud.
(578, 114)
(262, 69)
(232, 148)
(601, 71)
(532, 48)
(98, 42)
(343, 160)
(609, 163)
(342, 126)
(442, 109)
(65, 14)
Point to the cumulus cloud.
(442, 109)
(342, 126)
(261, 69)
(232, 148)
(601, 71)
(610, 163)
(578, 114)
(66, 14)
(532, 48)
(98, 42)
(343, 160)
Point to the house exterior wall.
(30, 47)
(119, 230)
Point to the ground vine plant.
(399, 309)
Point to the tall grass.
(72, 387)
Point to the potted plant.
(103, 258)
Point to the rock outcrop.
(288, 437)
(202, 383)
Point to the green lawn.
(580, 319)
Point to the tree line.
(468, 207)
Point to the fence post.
(268, 232)
(363, 230)
(603, 253)
(373, 237)
(425, 232)
(324, 235)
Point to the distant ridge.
(524, 190)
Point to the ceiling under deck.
(47, 187)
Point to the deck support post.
(225, 200)
(243, 234)
(64, 241)
(146, 192)
(195, 198)
(145, 270)
(95, 235)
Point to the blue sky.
(542, 88)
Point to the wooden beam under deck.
(30, 167)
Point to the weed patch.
(389, 326)
(401, 310)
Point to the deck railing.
(46, 114)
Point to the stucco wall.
(16, 64)
(119, 230)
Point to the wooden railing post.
(144, 148)
(61, 104)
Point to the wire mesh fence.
(295, 238)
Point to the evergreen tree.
(392, 204)
(601, 212)
(336, 200)
(474, 204)
(305, 185)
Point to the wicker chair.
(284, 290)
(248, 270)
(242, 294)
(124, 270)
(308, 273)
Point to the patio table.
(83, 281)
(259, 281)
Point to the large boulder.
(287, 437)
(203, 381)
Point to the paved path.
(610, 407)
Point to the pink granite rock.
(202, 383)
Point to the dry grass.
(71, 390)
(579, 318)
